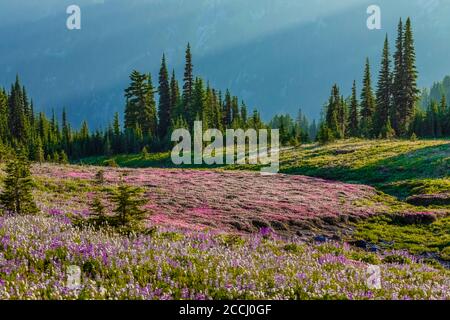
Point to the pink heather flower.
(265, 232)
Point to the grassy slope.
(398, 168)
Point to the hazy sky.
(278, 55)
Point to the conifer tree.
(148, 121)
(98, 213)
(235, 111)
(16, 196)
(198, 101)
(4, 114)
(384, 93)
(188, 88)
(39, 155)
(244, 114)
(63, 159)
(17, 113)
(398, 87)
(66, 133)
(367, 103)
(334, 113)
(353, 125)
(165, 105)
(128, 201)
(227, 111)
(174, 98)
(410, 77)
(141, 107)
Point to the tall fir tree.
(384, 92)
(353, 123)
(227, 110)
(410, 79)
(136, 96)
(17, 113)
(398, 87)
(165, 105)
(367, 103)
(141, 106)
(174, 98)
(188, 88)
(335, 113)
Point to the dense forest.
(147, 124)
(394, 109)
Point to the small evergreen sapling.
(17, 187)
(128, 201)
(144, 153)
(98, 216)
(63, 159)
(100, 177)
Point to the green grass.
(400, 168)
(416, 238)
(159, 160)
(152, 160)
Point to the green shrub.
(396, 259)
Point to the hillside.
(227, 201)
(216, 234)
(235, 234)
(401, 168)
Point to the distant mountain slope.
(278, 56)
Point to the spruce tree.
(16, 196)
(174, 98)
(227, 110)
(141, 107)
(384, 93)
(66, 133)
(335, 113)
(98, 213)
(17, 113)
(353, 126)
(410, 79)
(244, 114)
(4, 115)
(235, 111)
(198, 100)
(188, 88)
(164, 111)
(128, 201)
(445, 116)
(39, 155)
(398, 88)
(367, 103)
(147, 119)
(63, 159)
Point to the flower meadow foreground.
(37, 251)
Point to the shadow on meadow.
(422, 170)
(398, 168)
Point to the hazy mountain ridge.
(273, 63)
